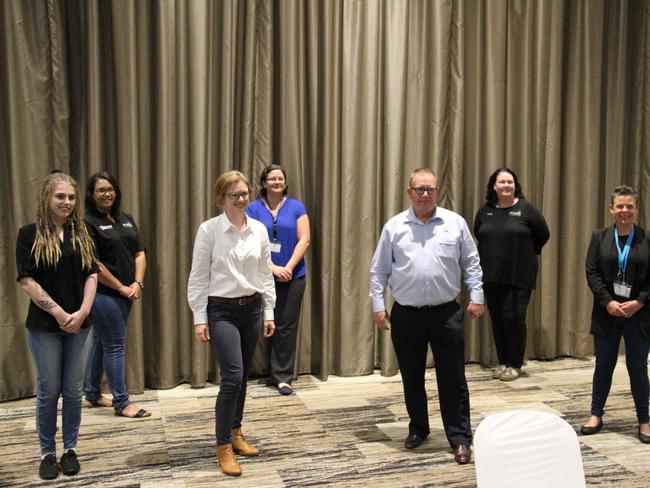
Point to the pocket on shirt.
(448, 248)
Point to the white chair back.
(527, 449)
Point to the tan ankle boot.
(227, 462)
(240, 446)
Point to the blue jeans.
(110, 314)
(234, 330)
(60, 362)
(636, 360)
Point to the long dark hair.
(90, 192)
(265, 173)
(491, 195)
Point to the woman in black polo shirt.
(123, 263)
(56, 269)
(511, 233)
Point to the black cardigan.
(602, 270)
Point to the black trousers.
(508, 306)
(281, 346)
(413, 331)
(636, 360)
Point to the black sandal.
(93, 403)
(142, 413)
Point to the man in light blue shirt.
(423, 252)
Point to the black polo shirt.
(116, 244)
(64, 282)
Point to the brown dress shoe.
(462, 454)
(227, 462)
(413, 441)
(241, 446)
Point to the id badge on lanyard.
(621, 287)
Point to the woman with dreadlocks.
(57, 270)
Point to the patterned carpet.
(344, 432)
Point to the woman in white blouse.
(232, 295)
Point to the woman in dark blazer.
(618, 273)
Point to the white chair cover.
(527, 449)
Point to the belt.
(428, 307)
(235, 301)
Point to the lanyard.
(623, 255)
(275, 217)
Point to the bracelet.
(141, 284)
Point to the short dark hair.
(265, 173)
(90, 192)
(491, 194)
(623, 191)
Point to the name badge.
(622, 289)
(276, 247)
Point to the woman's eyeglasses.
(104, 191)
(237, 195)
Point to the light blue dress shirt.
(424, 261)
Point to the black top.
(116, 245)
(509, 240)
(64, 282)
(602, 270)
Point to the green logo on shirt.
(515, 213)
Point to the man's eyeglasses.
(104, 191)
(420, 190)
(237, 195)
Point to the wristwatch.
(141, 284)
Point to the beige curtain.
(349, 96)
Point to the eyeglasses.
(279, 179)
(237, 195)
(105, 191)
(420, 190)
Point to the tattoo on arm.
(46, 302)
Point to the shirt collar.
(411, 218)
(226, 225)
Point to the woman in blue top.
(288, 226)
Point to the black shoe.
(589, 430)
(413, 441)
(645, 438)
(70, 463)
(48, 470)
(285, 390)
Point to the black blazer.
(602, 271)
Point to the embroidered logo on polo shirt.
(515, 213)
(105, 227)
(127, 224)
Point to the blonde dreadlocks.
(46, 248)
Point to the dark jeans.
(234, 330)
(636, 360)
(413, 330)
(282, 344)
(60, 362)
(508, 305)
(108, 353)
